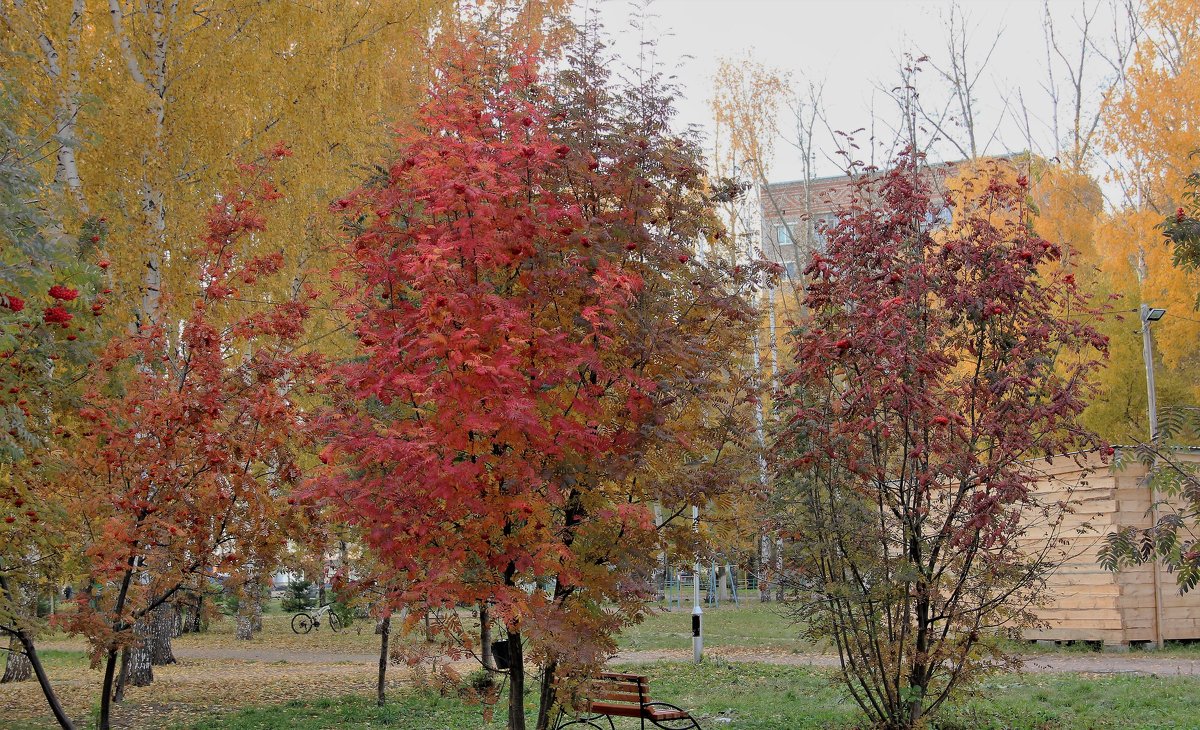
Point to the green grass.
(61, 659)
(752, 625)
(767, 627)
(765, 697)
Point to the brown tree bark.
(256, 611)
(30, 654)
(485, 637)
(110, 664)
(385, 633)
(516, 681)
(118, 694)
(197, 615)
(548, 696)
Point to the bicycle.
(304, 622)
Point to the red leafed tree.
(937, 362)
(181, 462)
(542, 358)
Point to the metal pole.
(1148, 356)
(1152, 407)
(697, 612)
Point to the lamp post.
(1148, 315)
(697, 612)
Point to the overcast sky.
(853, 49)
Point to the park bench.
(609, 694)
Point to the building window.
(783, 235)
(943, 217)
(820, 231)
(784, 254)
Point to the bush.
(344, 612)
(297, 597)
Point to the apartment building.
(796, 212)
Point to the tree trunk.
(139, 670)
(256, 611)
(106, 687)
(764, 565)
(118, 694)
(56, 708)
(161, 627)
(31, 654)
(485, 637)
(516, 682)
(110, 667)
(779, 569)
(548, 697)
(18, 667)
(245, 622)
(197, 613)
(385, 633)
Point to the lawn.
(332, 690)
(752, 625)
(764, 697)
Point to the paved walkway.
(1138, 663)
(1134, 663)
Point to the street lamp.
(1152, 314)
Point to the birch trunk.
(17, 668)
(162, 627)
(140, 668)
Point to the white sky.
(853, 48)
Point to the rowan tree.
(544, 357)
(178, 471)
(936, 362)
(51, 302)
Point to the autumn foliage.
(544, 354)
(180, 460)
(937, 361)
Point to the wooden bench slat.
(614, 687)
(665, 713)
(618, 696)
(608, 708)
(621, 695)
(639, 678)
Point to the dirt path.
(1136, 663)
(1140, 663)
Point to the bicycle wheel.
(302, 623)
(335, 623)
